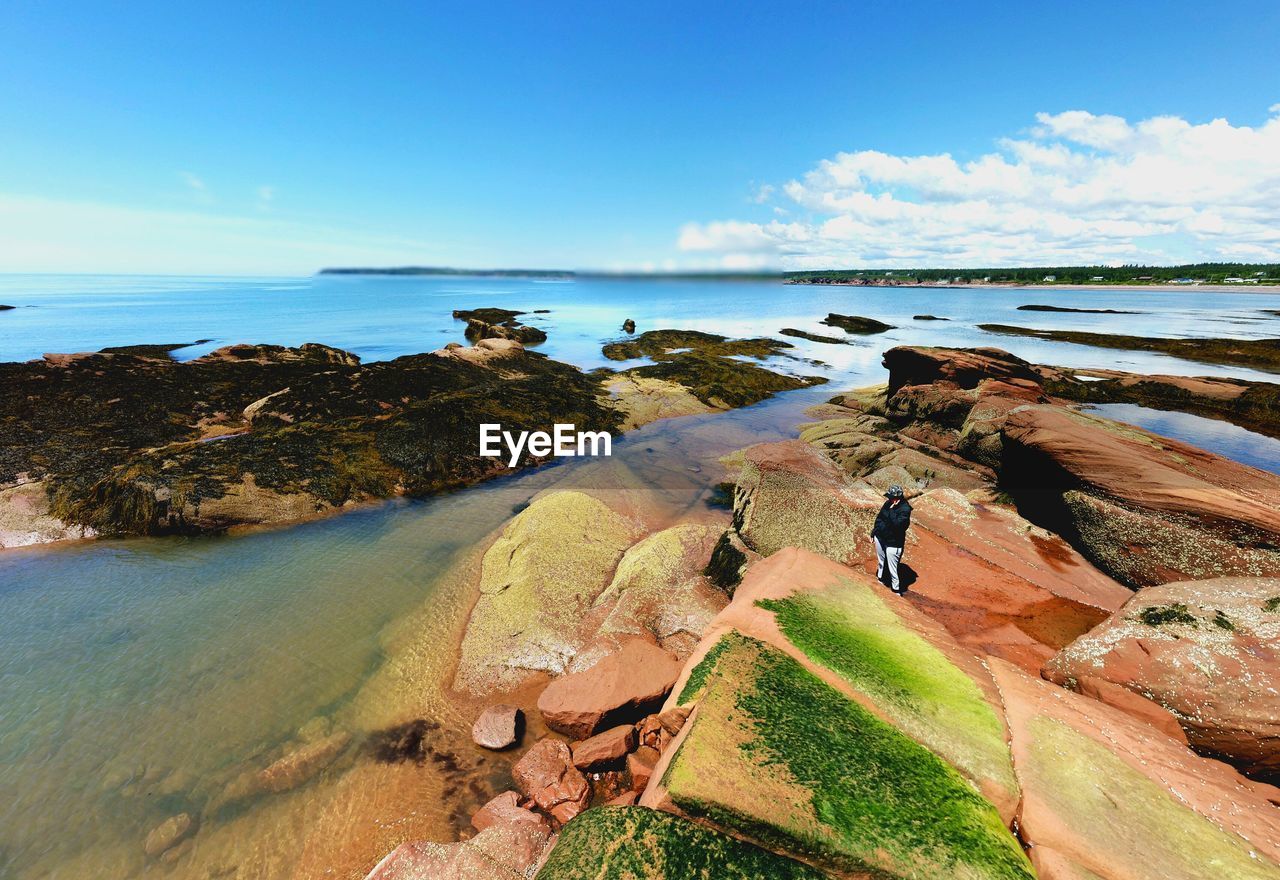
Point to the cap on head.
(895, 491)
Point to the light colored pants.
(891, 556)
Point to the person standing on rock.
(890, 535)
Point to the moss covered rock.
(537, 583)
(775, 754)
(634, 843)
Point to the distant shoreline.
(986, 285)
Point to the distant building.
(1233, 281)
(1146, 278)
(1097, 278)
(1051, 278)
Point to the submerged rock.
(503, 851)
(813, 337)
(498, 726)
(168, 834)
(1203, 650)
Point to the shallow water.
(1228, 440)
(138, 678)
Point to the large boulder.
(1147, 509)
(621, 686)
(960, 367)
(659, 590)
(545, 774)
(830, 719)
(1206, 651)
(1104, 796)
(790, 495)
(537, 583)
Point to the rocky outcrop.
(1203, 650)
(1144, 509)
(1147, 509)
(137, 443)
(855, 324)
(494, 323)
(1105, 796)
(621, 686)
(537, 583)
(832, 722)
(25, 518)
(998, 583)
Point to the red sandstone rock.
(604, 748)
(497, 727)
(1209, 651)
(965, 368)
(640, 763)
(505, 849)
(639, 675)
(505, 809)
(673, 719)
(546, 775)
(168, 834)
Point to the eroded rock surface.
(1208, 651)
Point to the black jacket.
(892, 524)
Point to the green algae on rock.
(850, 630)
(856, 324)
(635, 843)
(776, 755)
(495, 323)
(666, 344)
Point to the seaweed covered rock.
(703, 366)
(495, 323)
(1106, 797)
(130, 444)
(634, 843)
(1205, 651)
(1145, 508)
(543, 573)
(856, 324)
(852, 732)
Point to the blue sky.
(231, 138)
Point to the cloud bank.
(1077, 188)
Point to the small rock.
(498, 727)
(604, 748)
(673, 719)
(505, 809)
(641, 763)
(626, 799)
(546, 775)
(302, 763)
(168, 833)
(649, 731)
(628, 326)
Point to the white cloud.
(1078, 188)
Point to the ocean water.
(139, 678)
(1251, 448)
